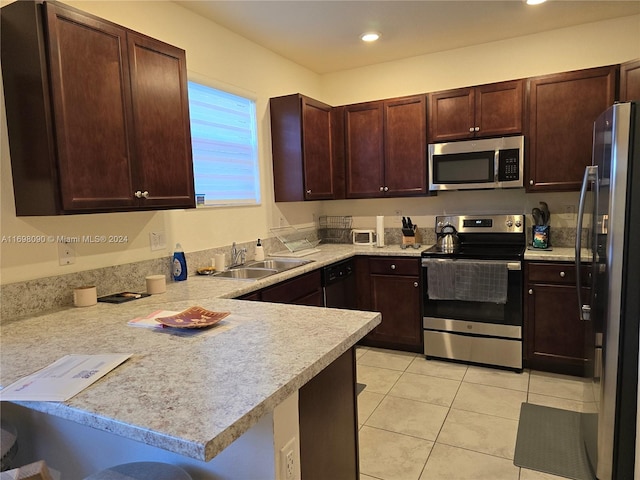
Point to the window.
(225, 147)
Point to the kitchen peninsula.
(189, 397)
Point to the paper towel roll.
(380, 231)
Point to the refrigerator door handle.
(590, 175)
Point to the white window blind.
(225, 150)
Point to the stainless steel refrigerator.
(610, 208)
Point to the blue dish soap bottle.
(179, 264)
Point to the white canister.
(85, 296)
(156, 284)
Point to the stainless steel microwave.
(477, 164)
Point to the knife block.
(411, 240)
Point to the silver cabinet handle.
(382, 189)
(138, 194)
(530, 182)
(309, 192)
(531, 291)
(393, 267)
(415, 284)
(386, 189)
(477, 129)
(145, 194)
(471, 129)
(562, 274)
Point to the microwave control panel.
(508, 165)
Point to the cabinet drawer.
(562, 273)
(394, 266)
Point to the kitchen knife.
(545, 213)
(409, 224)
(404, 222)
(536, 213)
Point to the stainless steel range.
(473, 294)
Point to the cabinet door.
(562, 109)
(451, 115)
(630, 81)
(405, 144)
(303, 290)
(499, 109)
(92, 116)
(364, 150)
(316, 145)
(164, 167)
(305, 149)
(397, 297)
(555, 334)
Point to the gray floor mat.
(549, 441)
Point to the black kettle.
(448, 240)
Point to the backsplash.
(49, 293)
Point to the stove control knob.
(518, 223)
(509, 223)
(440, 224)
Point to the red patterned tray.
(193, 317)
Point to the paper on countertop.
(63, 379)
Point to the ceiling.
(324, 35)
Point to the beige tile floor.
(431, 420)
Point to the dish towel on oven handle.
(467, 280)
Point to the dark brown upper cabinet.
(307, 163)
(97, 115)
(484, 111)
(386, 148)
(630, 81)
(561, 111)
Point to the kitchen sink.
(261, 269)
(246, 273)
(278, 264)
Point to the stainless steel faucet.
(238, 256)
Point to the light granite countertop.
(192, 394)
(195, 394)
(557, 254)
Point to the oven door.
(485, 332)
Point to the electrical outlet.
(569, 209)
(398, 216)
(157, 240)
(66, 253)
(289, 467)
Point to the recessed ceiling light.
(370, 36)
(535, 2)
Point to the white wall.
(229, 61)
(595, 44)
(603, 43)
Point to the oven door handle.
(514, 266)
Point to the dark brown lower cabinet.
(329, 422)
(555, 337)
(303, 290)
(391, 286)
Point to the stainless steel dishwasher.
(339, 285)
